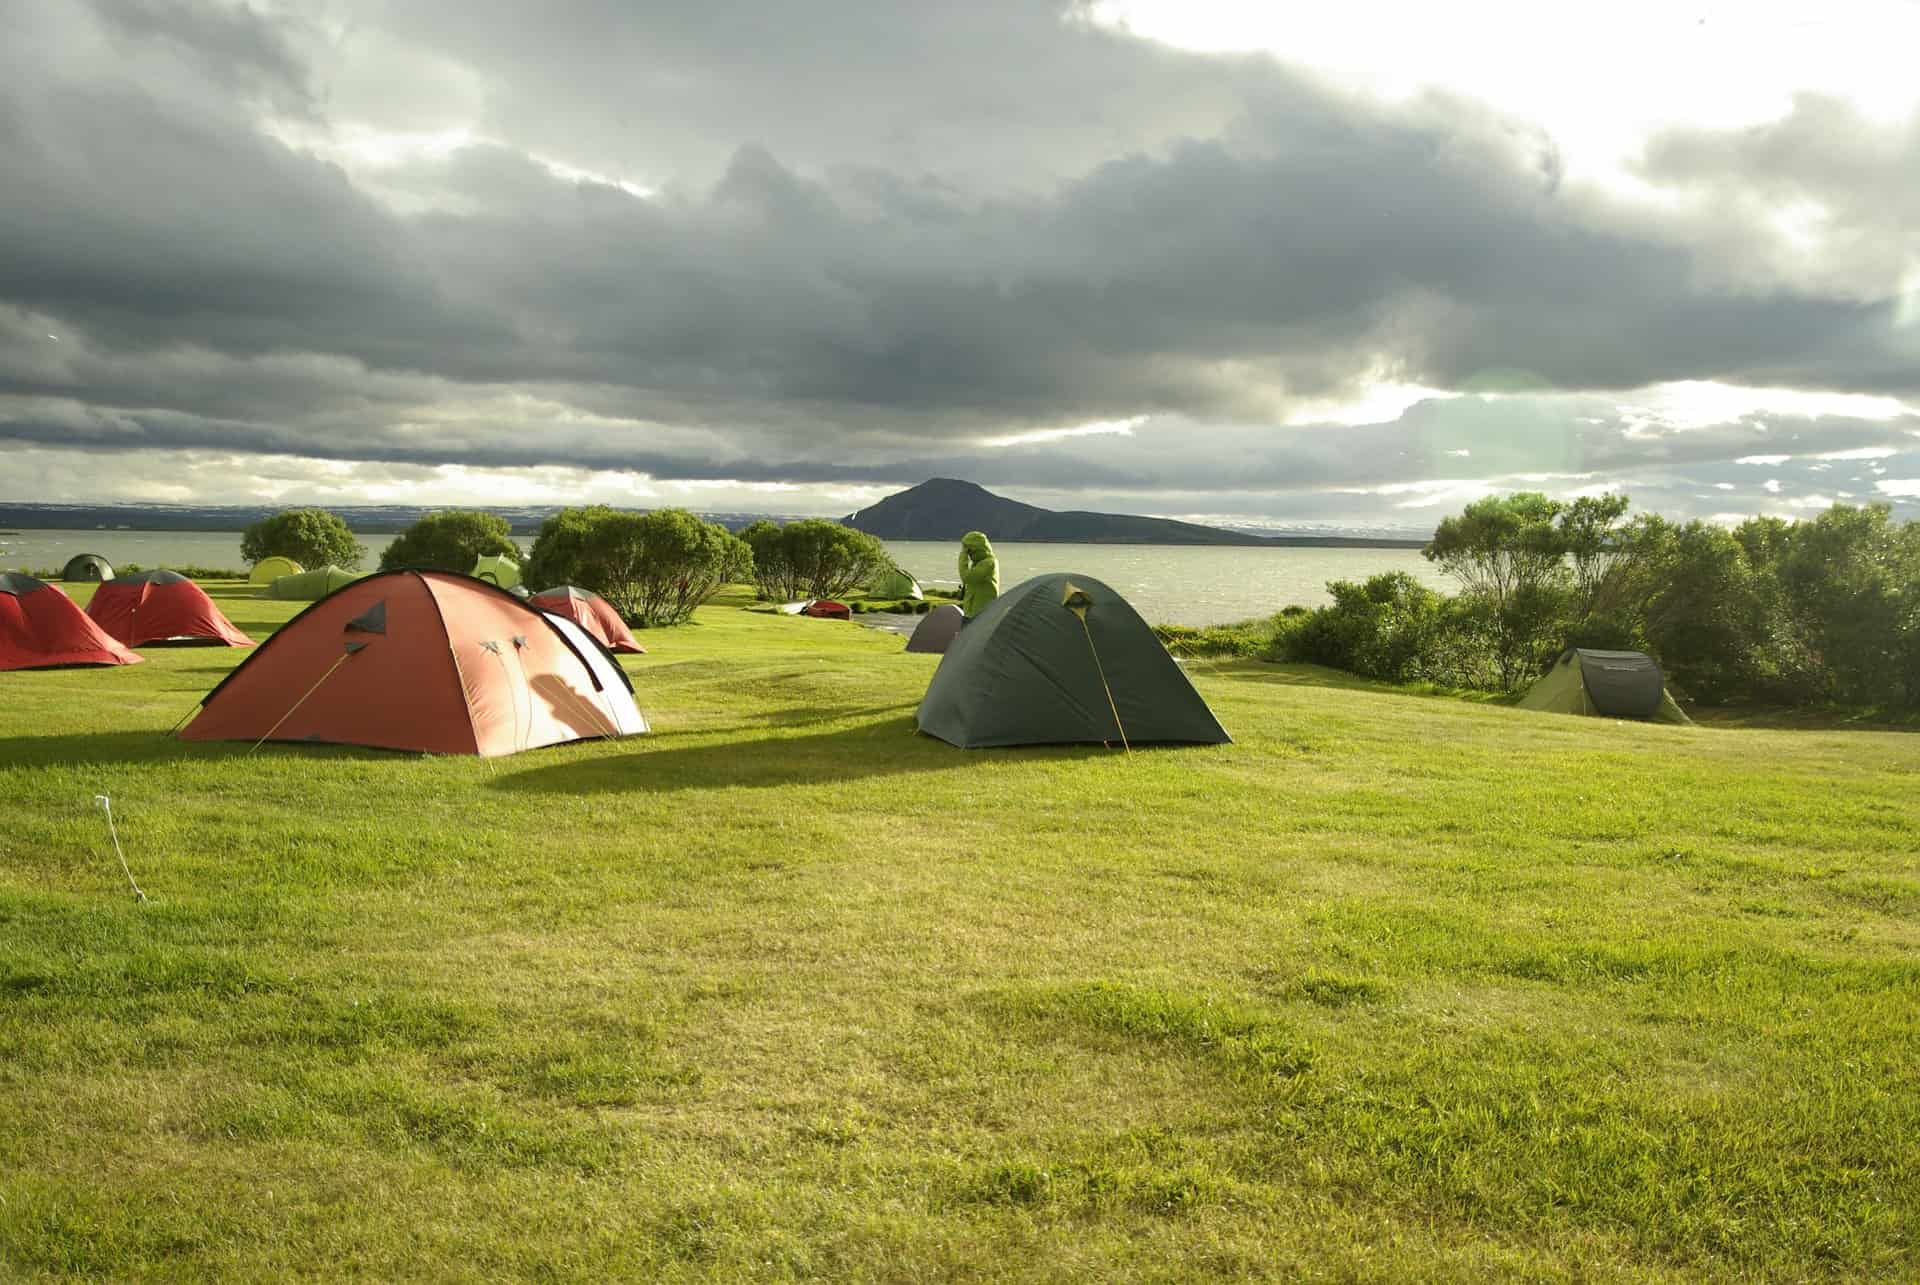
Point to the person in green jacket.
(979, 574)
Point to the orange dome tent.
(41, 628)
(422, 660)
(592, 613)
(161, 606)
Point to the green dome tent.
(895, 583)
(268, 570)
(310, 586)
(87, 566)
(1062, 659)
(496, 569)
(1605, 684)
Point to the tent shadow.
(886, 747)
(108, 749)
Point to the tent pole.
(303, 700)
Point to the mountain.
(946, 509)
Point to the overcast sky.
(1189, 257)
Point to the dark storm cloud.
(884, 231)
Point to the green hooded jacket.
(979, 573)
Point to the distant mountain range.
(940, 509)
(946, 509)
(364, 519)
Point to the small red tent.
(828, 609)
(422, 660)
(161, 606)
(592, 613)
(40, 627)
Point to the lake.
(1176, 584)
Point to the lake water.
(1175, 584)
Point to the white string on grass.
(106, 806)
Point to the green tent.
(1605, 684)
(1056, 660)
(268, 570)
(87, 566)
(496, 569)
(895, 583)
(310, 586)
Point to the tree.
(654, 568)
(812, 558)
(1847, 581)
(311, 537)
(450, 541)
(1510, 552)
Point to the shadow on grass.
(887, 747)
(1292, 675)
(98, 749)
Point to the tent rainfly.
(936, 630)
(1605, 684)
(592, 613)
(42, 628)
(268, 570)
(496, 569)
(1062, 659)
(895, 583)
(161, 607)
(87, 566)
(310, 586)
(427, 661)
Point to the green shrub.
(313, 538)
(812, 558)
(450, 541)
(654, 568)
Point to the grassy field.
(1395, 987)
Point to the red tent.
(828, 609)
(592, 613)
(422, 660)
(40, 627)
(161, 606)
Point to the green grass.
(1392, 988)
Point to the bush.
(1386, 628)
(1250, 638)
(450, 541)
(654, 568)
(314, 538)
(812, 558)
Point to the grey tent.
(1062, 659)
(87, 566)
(937, 628)
(1607, 684)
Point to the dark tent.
(87, 566)
(42, 628)
(936, 630)
(161, 607)
(1061, 659)
(1607, 684)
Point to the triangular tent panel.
(422, 660)
(268, 570)
(87, 566)
(936, 630)
(1605, 684)
(1055, 660)
(42, 628)
(592, 613)
(895, 583)
(496, 570)
(310, 586)
(161, 606)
